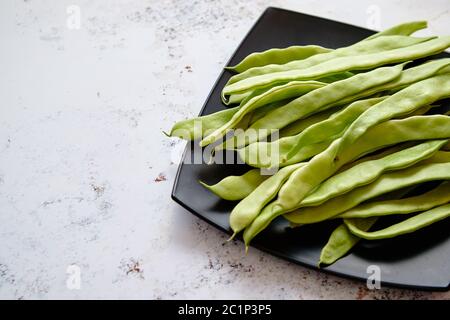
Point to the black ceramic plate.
(420, 260)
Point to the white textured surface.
(81, 146)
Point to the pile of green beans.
(359, 128)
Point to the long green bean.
(277, 56)
(318, 100)
(405, 29)
(386, 183)
(403, 102)
(366, 172)
(237, 187)
(302, 181)
(361, 62)
(409, 225)
(435, 197)
(380, 44)
(292, 89)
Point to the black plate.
(420, 260)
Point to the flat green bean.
(380, 44)
(268, 154)
(405, 101)
(261, 112)
(292, 89)
(277, 56)
(387, 182)
(360, 62)
(405, 29)
(377, 155)
(326, 164)
(237, 187)
(313, 139)
(435, 197)
(419, 72)
(336, 124)
(304, 180)
(254, 116)
(237, 98)
(318, 100)
(195, 128)
(248, 208)
(243, 97)
(406, 78)
(409, 225)
(366, 172)
(299, 125)
(342, 241)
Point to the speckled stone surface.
(85, 173)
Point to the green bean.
(237, 98)
(243, 97)
(299, 125)
(342, 240)
(277, 56)
(332, 126)
(419, 72)
(407, 100)
(387, 133)
(195, 128)
(412, 224)
(268, 154)
(237, 187)
(388, 151)
(292, 89)
(407, 77)
(435, 197)
(366, 172)
(396, 194)
(318, 138)
(318, 100)
(254, 116)
(360, 62)
(380, 44)
(248, 208)
(261, 112)
(232, 143)
(386, 183)
(377, 155)
(405, 29)
(336, 77)
(304, 180)
(185, 129)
